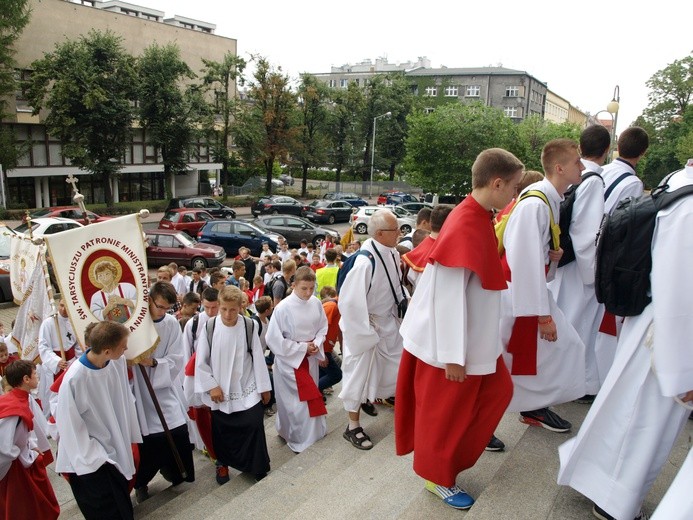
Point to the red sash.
(190, 367)
(608, 324)
(308, 390)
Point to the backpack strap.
(616, 183)
(555, 228)
(257, 320)
(210, 332)
(248, 323)
(193, 329)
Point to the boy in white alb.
(630, 429)
(295, 335)
(97, 423)
(543, 351)
(232, 379)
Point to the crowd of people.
(465, 319)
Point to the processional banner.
(102, 273)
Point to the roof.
(472, 71)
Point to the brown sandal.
(353, 437)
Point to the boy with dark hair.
(189, 308)
(238, 268)
(330, 373)
(573, 287)
(164, 370)
(97, 423)
(620, 178)
(327, 276)
(25, 491)
(542, 349)
(217, 280)
(232, 379)
(452, 350)
(197, 284)
(295, 335)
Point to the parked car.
(295, 229)
(168, 245)
(275, 204)
(5, 250)
(231, 235)
(351, 198)
(414, 207)
(47, 226)
(210, 205)
(71, 212)
(360, 219)
(395, 197)
(189, 220)
(286, 179)
(329, 211)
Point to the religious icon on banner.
(24, 256)
(113, 300)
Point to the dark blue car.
(234, 234)
(351, 198)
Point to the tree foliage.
(534, 132)
(265, 129)
(342, 129)
(168, 110)
(219, 78)
(14, 16)
(399, 100)
(442, 145)
(670, 92)
(310, 145)
(89, 86)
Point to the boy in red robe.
(453, 386)
(25, 491)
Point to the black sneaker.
(495, 444)
(546, 419)
(369, 408)
(586, 399)
(141, 494)
(603, 515)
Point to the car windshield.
(257, 226)
(23, 228)
(317, 203)
(5, 243)
(40, 213)
(186, 240)
(171, 216)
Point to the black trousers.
(103, 494)
(156, 454)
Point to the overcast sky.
(582, 50)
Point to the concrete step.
(525, 488)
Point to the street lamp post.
(612, 108)
(387, 114)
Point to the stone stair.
(331, 479)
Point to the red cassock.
(26, 492)
(448, 424)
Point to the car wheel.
(275, 212)
(317, 240)
(362, 229)
(230, 214)
(331, 219)
(198, 261)
(405, 229)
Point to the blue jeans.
(331, 374)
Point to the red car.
(189, 220)
(165, 246)
(72, 212)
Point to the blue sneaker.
(452, 496)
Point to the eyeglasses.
(162, 307)
(395, 229)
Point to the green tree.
(220, 77)
(311, 142)
(265, 129)
(442, 146)
(534, 132)
(89, 86)
(14, 16)
(399, 100)
(168, 108)
(376, 103)
(342, 127)
(670, 92)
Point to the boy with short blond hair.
(295, 335)
(452, 348)
(232, 379)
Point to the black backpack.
(349, 263)
(566, 216)
(269, 287)
(624, 250)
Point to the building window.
(512, 91)
(343, 83)
(451, 91)
(333, 83)
(22, 78)
(357, 82)
(473, 91)
(513, 111)
(431, 91)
